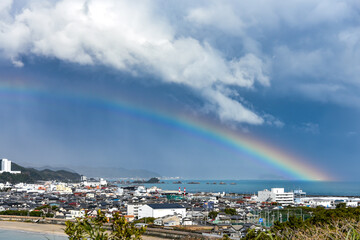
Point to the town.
(201, 213)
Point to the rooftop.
(165, 205)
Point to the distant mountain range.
(53, 168)
(109, 172)
(31, 175)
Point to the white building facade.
(133, 209)
(161, 210)
(6, 167)
(276, 195)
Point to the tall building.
(276, 195)
(6, 167)
(133, 209)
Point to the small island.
(193, 183)
(151, 180)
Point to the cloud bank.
(313, 46)
(306, 47)
(130, 36)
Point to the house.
(161, 210)
(187, 222)
(168, 221)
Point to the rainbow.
(293, 167)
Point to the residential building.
(276, 195)
(161, 210)
(6, 167)
(168, 221)
(133, 209)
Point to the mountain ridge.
(31, 175)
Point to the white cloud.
(309, 127)
(330, 92)
(306, 40)
(17, 63)
(218, 14)
(273, 121)
(131, 36)
(306, 47)
(231, 110)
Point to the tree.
(213, 214)
(230, 211)
(341, 205)
(103, 228)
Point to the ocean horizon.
(323, 188)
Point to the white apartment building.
(161, 210)
(6, 167)
(72, 214)
(276, 195)
(101, 182)
(133, 209)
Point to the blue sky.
(286, 73)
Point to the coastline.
(52, 229)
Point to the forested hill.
(31, 175)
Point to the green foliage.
(292, 223)
(225, 237)
(153, 180)
(31, 175)
(26, 213)
(230, 211)
(341, 205)
(102, 228)
(42, 207)
(213, 214)
(148, 220)
(339, 223)
(252, 234)
(326, 216)
(15, 212)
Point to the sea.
(317, 188)
(23, 235)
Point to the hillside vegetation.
(339, 223)
(31, 175)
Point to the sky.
(285, 73)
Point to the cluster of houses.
(207, 211)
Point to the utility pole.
(287, 216)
